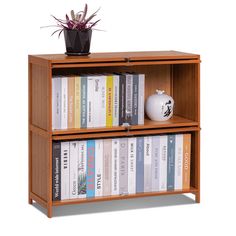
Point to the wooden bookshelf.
(177, 73)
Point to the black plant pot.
(77, 42)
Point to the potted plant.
(77, 31)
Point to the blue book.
(83, 102)
(90, 168)
(140, 165)
(171, 162)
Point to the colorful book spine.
(148, 164)
(90, 101)
(134, 120)
(163, 163)
(129, 100)
(139, 165)
(77, 101)
(65, 170)
(83, 102)
(99, 168)
(115, 116)
(115, 167)
(71, 102)
(155, 163)
(179, 161)
(82, 170)
(123, 166)
(109, 98)
(90, 168)
(171, 162)
(107, 155)
(141, 96)
(56, 171)
(64, 102)
(56, 103)
(186, 160)
(131, 165)
(122, 99)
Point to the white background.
(204, 27)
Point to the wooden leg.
(30, 201)
(197, 197)
(49, 211)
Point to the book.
(179, 161)
(90, 183)
(128, 99)
(107, 155)
(65, 170)
(102, 112)
(122, 99)
(71, 102)
(131, 165)
(64, 102)
(115, 167)
(186, 160)
(82, 169)
(141, 96)
(90, 101)
(163, 163)
(171, 162)
(123, 166)
(56, 103)
(134, 120)
(115, 115)
(77, 101)
(109, 102)
(139, 165)
(147, 164)
(83, 100)
(99, 167)
(56, 171)
(155, 163)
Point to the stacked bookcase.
(175, 72)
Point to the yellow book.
(109, 101)
(77, 102)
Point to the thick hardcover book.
(83, 102)
(140, 165)
(65, 170)
(90, 101)
(109, 96)
(64, 102)
(90, 168)
(155, 163)
(179, 161)
(131, 165)
(186, 160)
(71, 102)
(134, 120)
(115, 116)
(107, 155)
(74, 151)
(147, 164)
(82, 169)
(171, 162)
(77, 101)
(56, 103)
(123, 165)
(141, 96)
(115, 167)
(163, 163)
(122, 98)
(129, 96)
(99, 168)
(56, 171)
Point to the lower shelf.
(120, 197)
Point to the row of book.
(103, 167)
(101, 100)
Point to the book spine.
(90, 101)
(171, 162)
(141, 99)
(82, 169)
(155, 162)
(56, 171)
(147, 164)
(115, 167)
(109, 98)
(186, 160)
(123, 166)
(96, 106)
(129, 95)
(65, 170)
(115, 121)
(107, 155)
(83, 102)
(64, 103)
(99, 167)
(179, 161)
(140, 165)
(77, 101)
(163, 163)
(90, 168)
(56, 103)
(131, 165)
(102, 113)
(71, 102)
(73, 169)
(134, 120)
(122, 96)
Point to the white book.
(115, 115)
(98, 167)
(82, 169)
(102, 114)
(163, 163)
(115, 167)
(147, 164)
(64, 102)
(65, 170)
(131, 165)
(178, 161)
(56, 103)
(74, 151)
(155, 163)
(141, 96)
(90, 101)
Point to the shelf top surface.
(117, 57)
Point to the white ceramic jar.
(159, 106)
